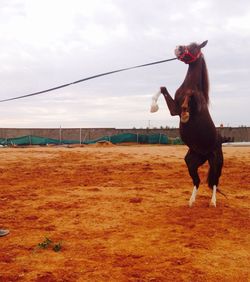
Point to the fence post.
(60, 134)
(85, 136)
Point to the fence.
(115, 139)
(237, 134)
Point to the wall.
(236, 133)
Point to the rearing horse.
(197, 129)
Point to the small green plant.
(57, 247)
(47, 243)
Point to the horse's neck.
(197, 79)
(193, 79)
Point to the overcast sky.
(45, 43)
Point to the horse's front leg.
(172, 106)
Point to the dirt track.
(120, 213)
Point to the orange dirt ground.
(120, 213)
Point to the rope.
(84, 79)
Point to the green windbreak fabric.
(33, 140)
(134, 138)
(115, 139)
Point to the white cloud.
(47, 43)
(240, 24)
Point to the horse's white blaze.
(193, 196)
(213, 200)
(154, 106)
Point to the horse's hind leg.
(215, 160)
(193, 161)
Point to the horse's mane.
(197, 78)
(204, 80)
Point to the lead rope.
(84, 79)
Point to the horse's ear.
(203, 44)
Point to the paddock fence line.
(114, 139)
(82, 135)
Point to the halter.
(184, 57)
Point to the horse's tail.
(215, 160)
(220, 192)
(225, 139)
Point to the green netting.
(33, 140)
(115, 139)
(133, 138)
(176, 141)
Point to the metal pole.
(60, 134)
(85, 136)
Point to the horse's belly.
(201, 139)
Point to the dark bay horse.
(197, 129)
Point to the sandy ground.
(120, 213)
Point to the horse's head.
(189, 53)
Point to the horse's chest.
(179, 98)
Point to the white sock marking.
(213, 200)
(193, 196)
(154, 106)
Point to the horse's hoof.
(154, 107)
(213, 203)
(190, 203)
